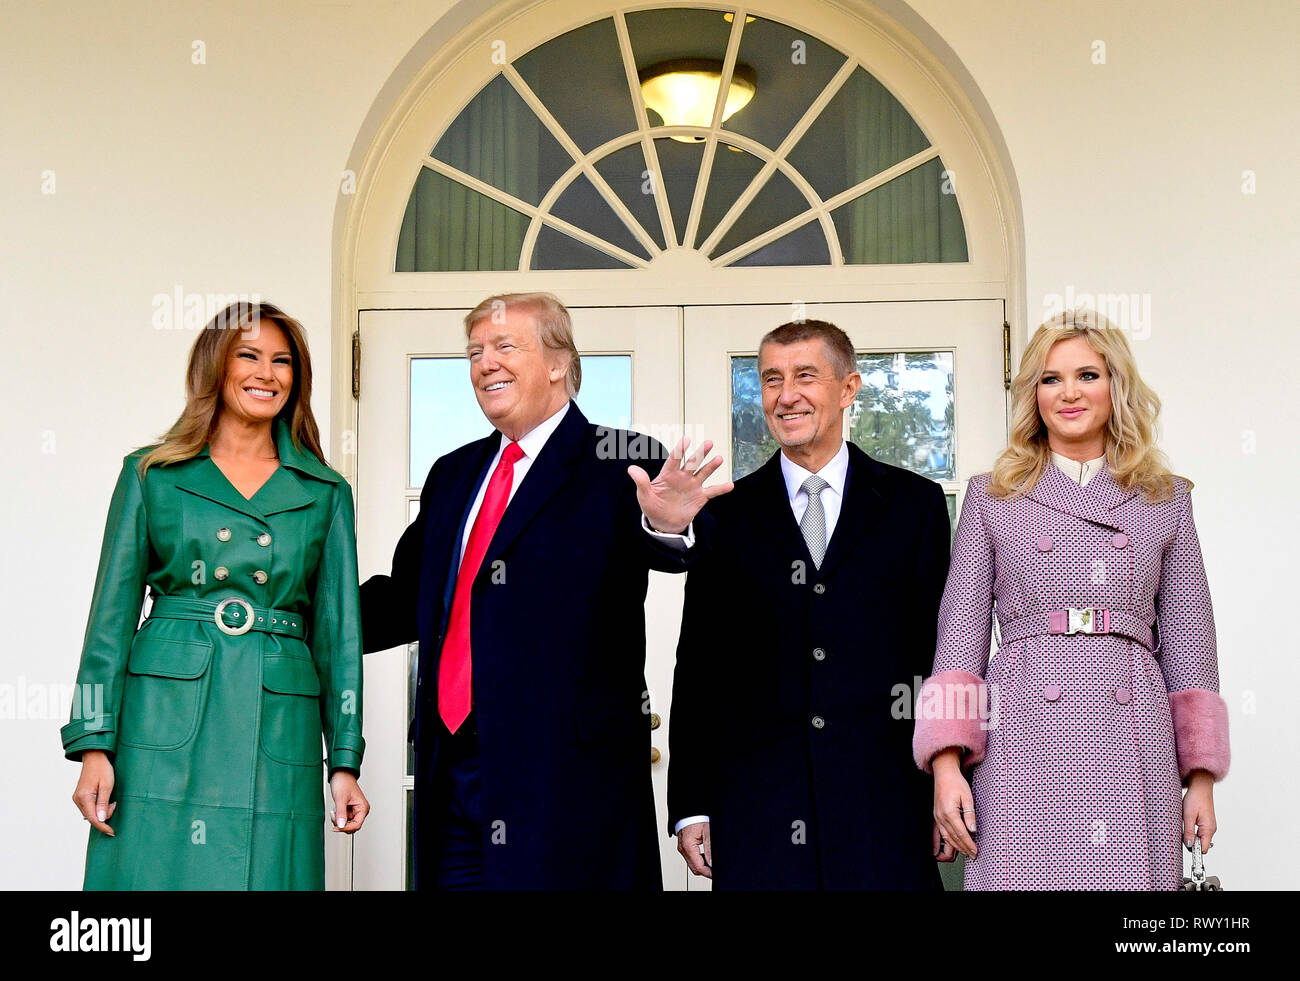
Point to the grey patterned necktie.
(813, 524)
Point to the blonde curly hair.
(1134, 460)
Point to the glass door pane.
(903, 414)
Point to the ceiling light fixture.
(683, 92)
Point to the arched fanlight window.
(609, 144)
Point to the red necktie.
(454, 673)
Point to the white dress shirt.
(531, 444)
(1079, 471)
(836, 474)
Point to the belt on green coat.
(232, 615)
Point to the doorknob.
(654, 756)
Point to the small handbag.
(1200, 882)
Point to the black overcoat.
(558, 647)
(791, 718)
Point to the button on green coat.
(216, 739)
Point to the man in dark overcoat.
(524, 579)
(809, 617)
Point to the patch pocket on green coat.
(163, 692)
(291, 730)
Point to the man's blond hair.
(554, 326)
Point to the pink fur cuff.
(1200, 731)
(951, 711)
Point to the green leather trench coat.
(216, 739)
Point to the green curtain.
(909, 219)
(450, 227)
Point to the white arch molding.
(436, 80)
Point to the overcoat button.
(259, 577)
(264, 539)
(220, 573)
(819, 588)
(818, 722)
(1045, 543)
(1052, 692)
(1120, 540)
(223, 534)
(819, 654)
(1122, 695)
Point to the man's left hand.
(672, 500)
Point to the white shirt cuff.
(698, 819)
(683, 541)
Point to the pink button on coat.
(1074, 787)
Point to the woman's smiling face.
(1074, 397)
(259, 374)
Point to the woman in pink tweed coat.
(1102, 700)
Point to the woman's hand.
(942, 848)
(350, 804)
(1198, 809)
(94, 788)
(954, 807)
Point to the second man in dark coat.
(817, 596)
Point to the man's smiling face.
(518, 382)
(803, 401)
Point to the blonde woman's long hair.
(205, 379)
(1132, 457)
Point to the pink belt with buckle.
(1090, 620)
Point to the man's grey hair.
(839, 349)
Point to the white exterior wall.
(223, 178)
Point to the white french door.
(933, 400)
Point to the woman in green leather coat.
(199, 733)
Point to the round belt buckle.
(234, 631)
